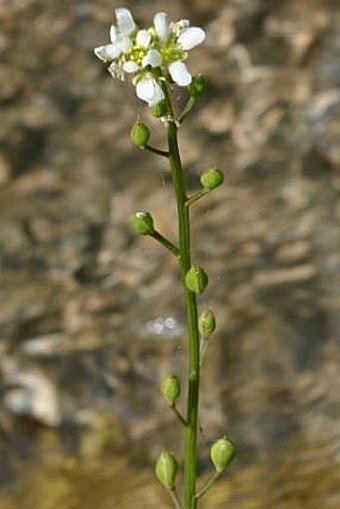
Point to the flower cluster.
(152, 55)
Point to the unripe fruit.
(166, 469)
(197, 87)
(140, 134)
(196, 279)
(212, 178)
(160, 109)
(222, 453)
(206, 323)
(142, 223)
(171, 389)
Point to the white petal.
(125, 21)
(108, 52)
(149, 91)
(191, 37)
(124, 42)
(143, 38)
(153, 58)
(145, 89)
(180, 74)
(161, 24)
(115, 71)
(113, 34)
(130, 66)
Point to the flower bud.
(171, 389)
(196, 279)
(166, 469)
(140, 134)
(212, 178)
(142, 222)
(206, 323)
(197, 87)
(160, 109)
(222, 453)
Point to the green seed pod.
(206, 323)
(197, 87)
(171, 389)
(166, 469)
(142, 222)
(160, 109)
(196, 279)
(212, 178)
(140, 134)
(222, 453)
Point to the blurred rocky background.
(91, 317)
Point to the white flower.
(180, 74)
(138, 51)
(149, 90)
(180, 38)
(120, 40)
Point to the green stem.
(197, 196)
(187, 109)
(209, 484)
(175, 499)
(157, 151)
(165, 242)
(178, 415)
(190, 460)
(203, 348)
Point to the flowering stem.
(190, 460)
(157, 59)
